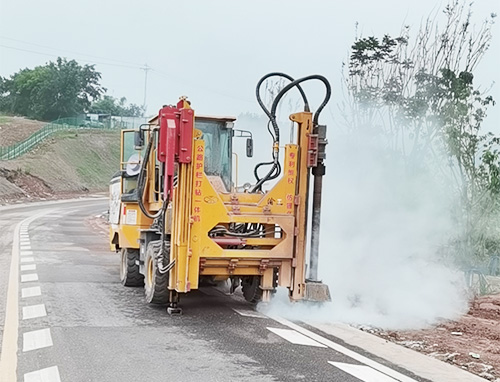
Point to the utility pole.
(146, 69)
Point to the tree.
(113, 106)
(421, 101)
(55, 90)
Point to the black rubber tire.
(129, 269)
(155, 283)
(250, 285)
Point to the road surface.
(64, 316)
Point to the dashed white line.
(342, 349)
(25, 247)
(364, 373)
(37, 339)
(26, 253)
(28, 267)
(27, 259)
(295, 337)
(29, 277)
(50, 374)
(249, 313)
(31, 292)
(34, 311)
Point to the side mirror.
(249, 147)
(139, 139)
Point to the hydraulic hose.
(275, 170)
(296, 83)
(259, 100)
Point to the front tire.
(155, 282)
(129, 268)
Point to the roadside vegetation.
(58, 90)
(416, 96)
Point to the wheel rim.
(123, 266)
(149, 279)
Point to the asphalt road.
(76, 322)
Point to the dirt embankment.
(17, 129)
(472, 343)
(68, 163)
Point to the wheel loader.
(177, 217)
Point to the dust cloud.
(384, 231)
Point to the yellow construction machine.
(177, 217)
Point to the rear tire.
(155, 283)
(250, 285)
(129, 269)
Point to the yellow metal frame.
(195, 253)
(197, 207)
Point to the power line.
(210, 90)
(70, 51)
(56, 55)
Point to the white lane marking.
(28, 267)
(365, 373)
(31, 292)
(26, 253)
(249, 313)
(26, 247)
(341, 349)
(37, 339)
(50, 374)
(29, 277)
(295, 337)
(25, 241)
(27, 259)
(34, 311)
(8, 350)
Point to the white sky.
(212, 51)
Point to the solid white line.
(341, 349)
(29, 277)
(295, 337)
(27, 259)
(31, 292)
(364, 373)
(50, 374)
(37, 339)
(34, 311)
(249, 313)
(28, 267)
(8, 356)
(26, 253)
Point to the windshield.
(218, 149)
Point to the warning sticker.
(131, 217)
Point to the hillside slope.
(17, 129)
(68, 162)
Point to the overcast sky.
(212, 51)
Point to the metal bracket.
(263, 265)
(312, 150)
(202, 264)
(233, 263)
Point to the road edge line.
(342, 349)
(8, 351)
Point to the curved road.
(64, 316)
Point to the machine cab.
(217, 135)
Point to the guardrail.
(20, 148)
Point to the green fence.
(20, 148)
